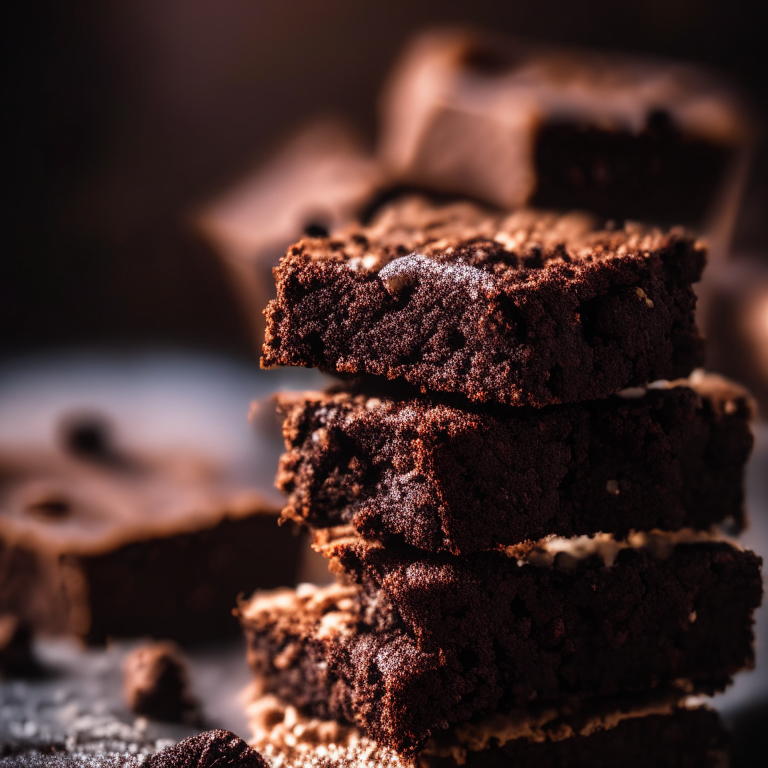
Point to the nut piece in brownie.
(523, 309)
(440, 477)
(99, 541)
(514, 124)
(419, 644)
(638, 731)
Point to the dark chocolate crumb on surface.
(156, 683)
(525, 309)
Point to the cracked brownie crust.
(420, 644)
(439, 477)
(522, 309)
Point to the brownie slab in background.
(439, 477)
(736, 326)
(646, 730)
(515, 124)
(318, 181)
(421, 642)
(522, 309)
(98, 542)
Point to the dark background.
(126, 115)
(123, 117)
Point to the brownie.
(419, 643)
(212, 749)
(155, 683)
(440, 477)
(646, 730)
(97, 541)
(318, 180)
(736, 325)
(516, 124)
(529, 308)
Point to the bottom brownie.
(656, 731)
(422, 644)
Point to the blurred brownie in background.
(736, 324)
(16, 657)
(514, 125)
(318, 181)
(98, 541)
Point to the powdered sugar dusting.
(409, 270)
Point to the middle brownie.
(459, 479)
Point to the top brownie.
(530, 308)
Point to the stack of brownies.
(518, 486)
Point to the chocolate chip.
(315, 229)
(86, 435)
(52, 506)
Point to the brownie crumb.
(212, 749)
(156, 683)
